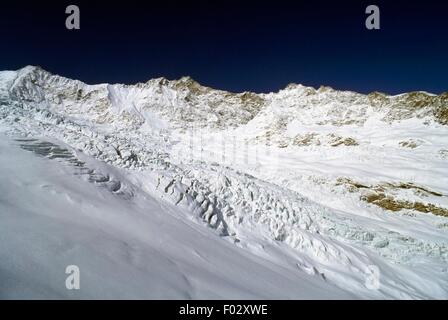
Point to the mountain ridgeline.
(184, 103)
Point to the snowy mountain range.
(170, 189)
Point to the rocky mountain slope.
(331, 184)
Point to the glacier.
(172, 190)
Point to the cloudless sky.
(234, 45)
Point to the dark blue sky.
(237, 46)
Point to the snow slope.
(125, 248)
(168, 189)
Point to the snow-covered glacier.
(170, 189)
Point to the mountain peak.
(31, 69)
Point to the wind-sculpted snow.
(242, 206)
(55, 152)
(305, 179)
